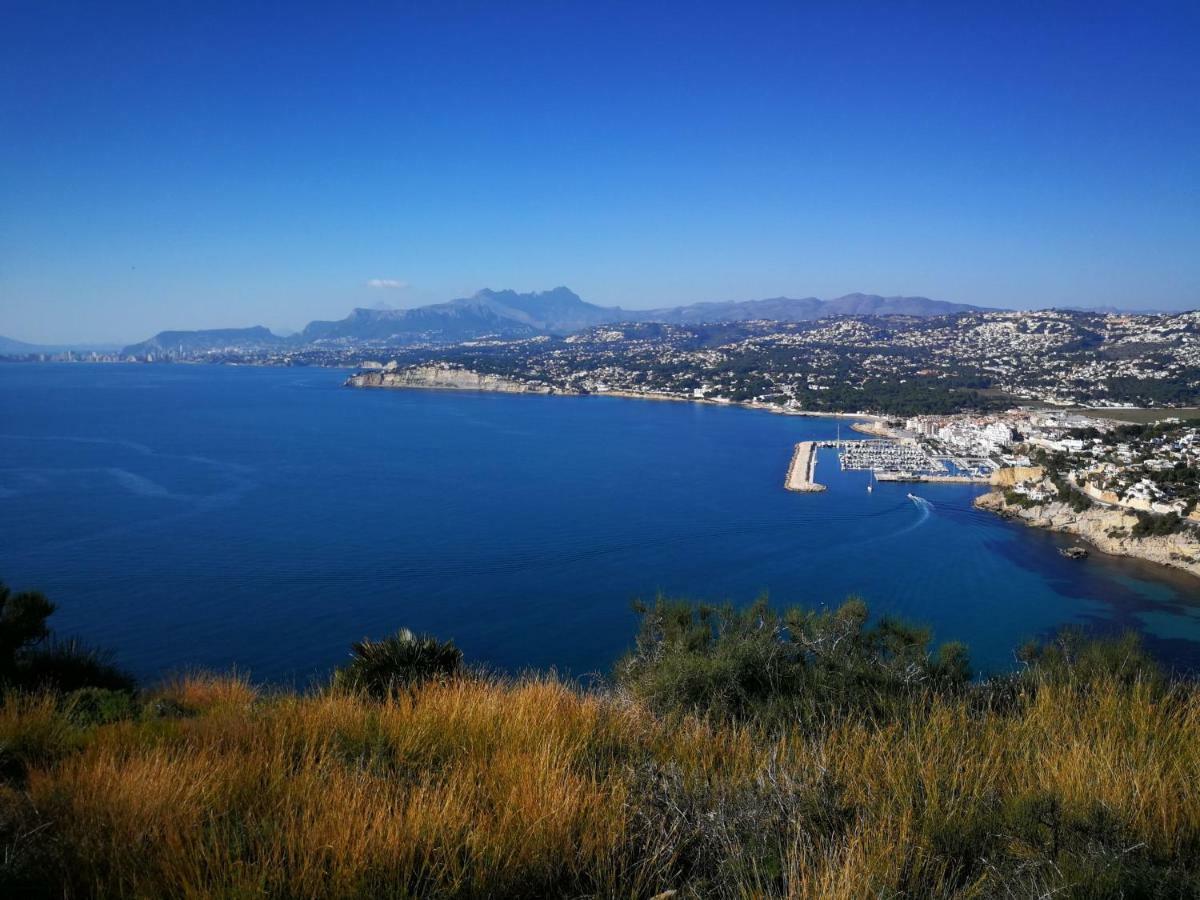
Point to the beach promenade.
(800, 472)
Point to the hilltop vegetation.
(736, 753)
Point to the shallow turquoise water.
(265, 518)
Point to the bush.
(62, 665)
(1075, 657)
(1150, 525)
(402, 661)
(71, 666)
(1012, 498)
(755, 664)
(99, 706)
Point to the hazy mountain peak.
(507, 313)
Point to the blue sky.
(183, 165)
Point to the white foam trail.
(925, 510)
(143, 487)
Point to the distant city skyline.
(171, 167)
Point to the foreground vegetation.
(737, 753)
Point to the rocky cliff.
(1010, 475)
(445, 378)
(1106, 529)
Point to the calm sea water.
(190, 516)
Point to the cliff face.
(445, 378)
(1010, 475)
(1106, 529)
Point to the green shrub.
(70, 666)
(1076, 657)
(1012, 498)
(402, 661)
(755, 664)
(1150, 525)
(99, 706)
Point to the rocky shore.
(456, 378)
(1107, 529)
(445, 378)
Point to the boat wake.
(925, 510)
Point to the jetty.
(800, 472)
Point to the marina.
(889, 457)
(894, 461)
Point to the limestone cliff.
(445, 378)
(1010, 475)
(1105, 528)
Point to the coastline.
(1108, 530)
(441, 378)
(444, 378)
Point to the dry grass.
(534, 789)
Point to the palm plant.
(401, 661)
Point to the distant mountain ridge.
(509, 314)
(182, 342)
(787, 309)
(12, 347)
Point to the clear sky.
(197, 164)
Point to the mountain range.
(13, 347)
(509, 314)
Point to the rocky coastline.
(445, 378)
(1105, 528)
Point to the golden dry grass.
(533, 789)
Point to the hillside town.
(1127, 488)
(890, 365)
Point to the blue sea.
(264, 519)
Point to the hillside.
(11, 347)
(183, 342)
(15, 348)
(727, 760)
(786, 309)
(499, 313)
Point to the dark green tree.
(31, 659)
(22, 626)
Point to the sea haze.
(206, 516)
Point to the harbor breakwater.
(802, 468)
